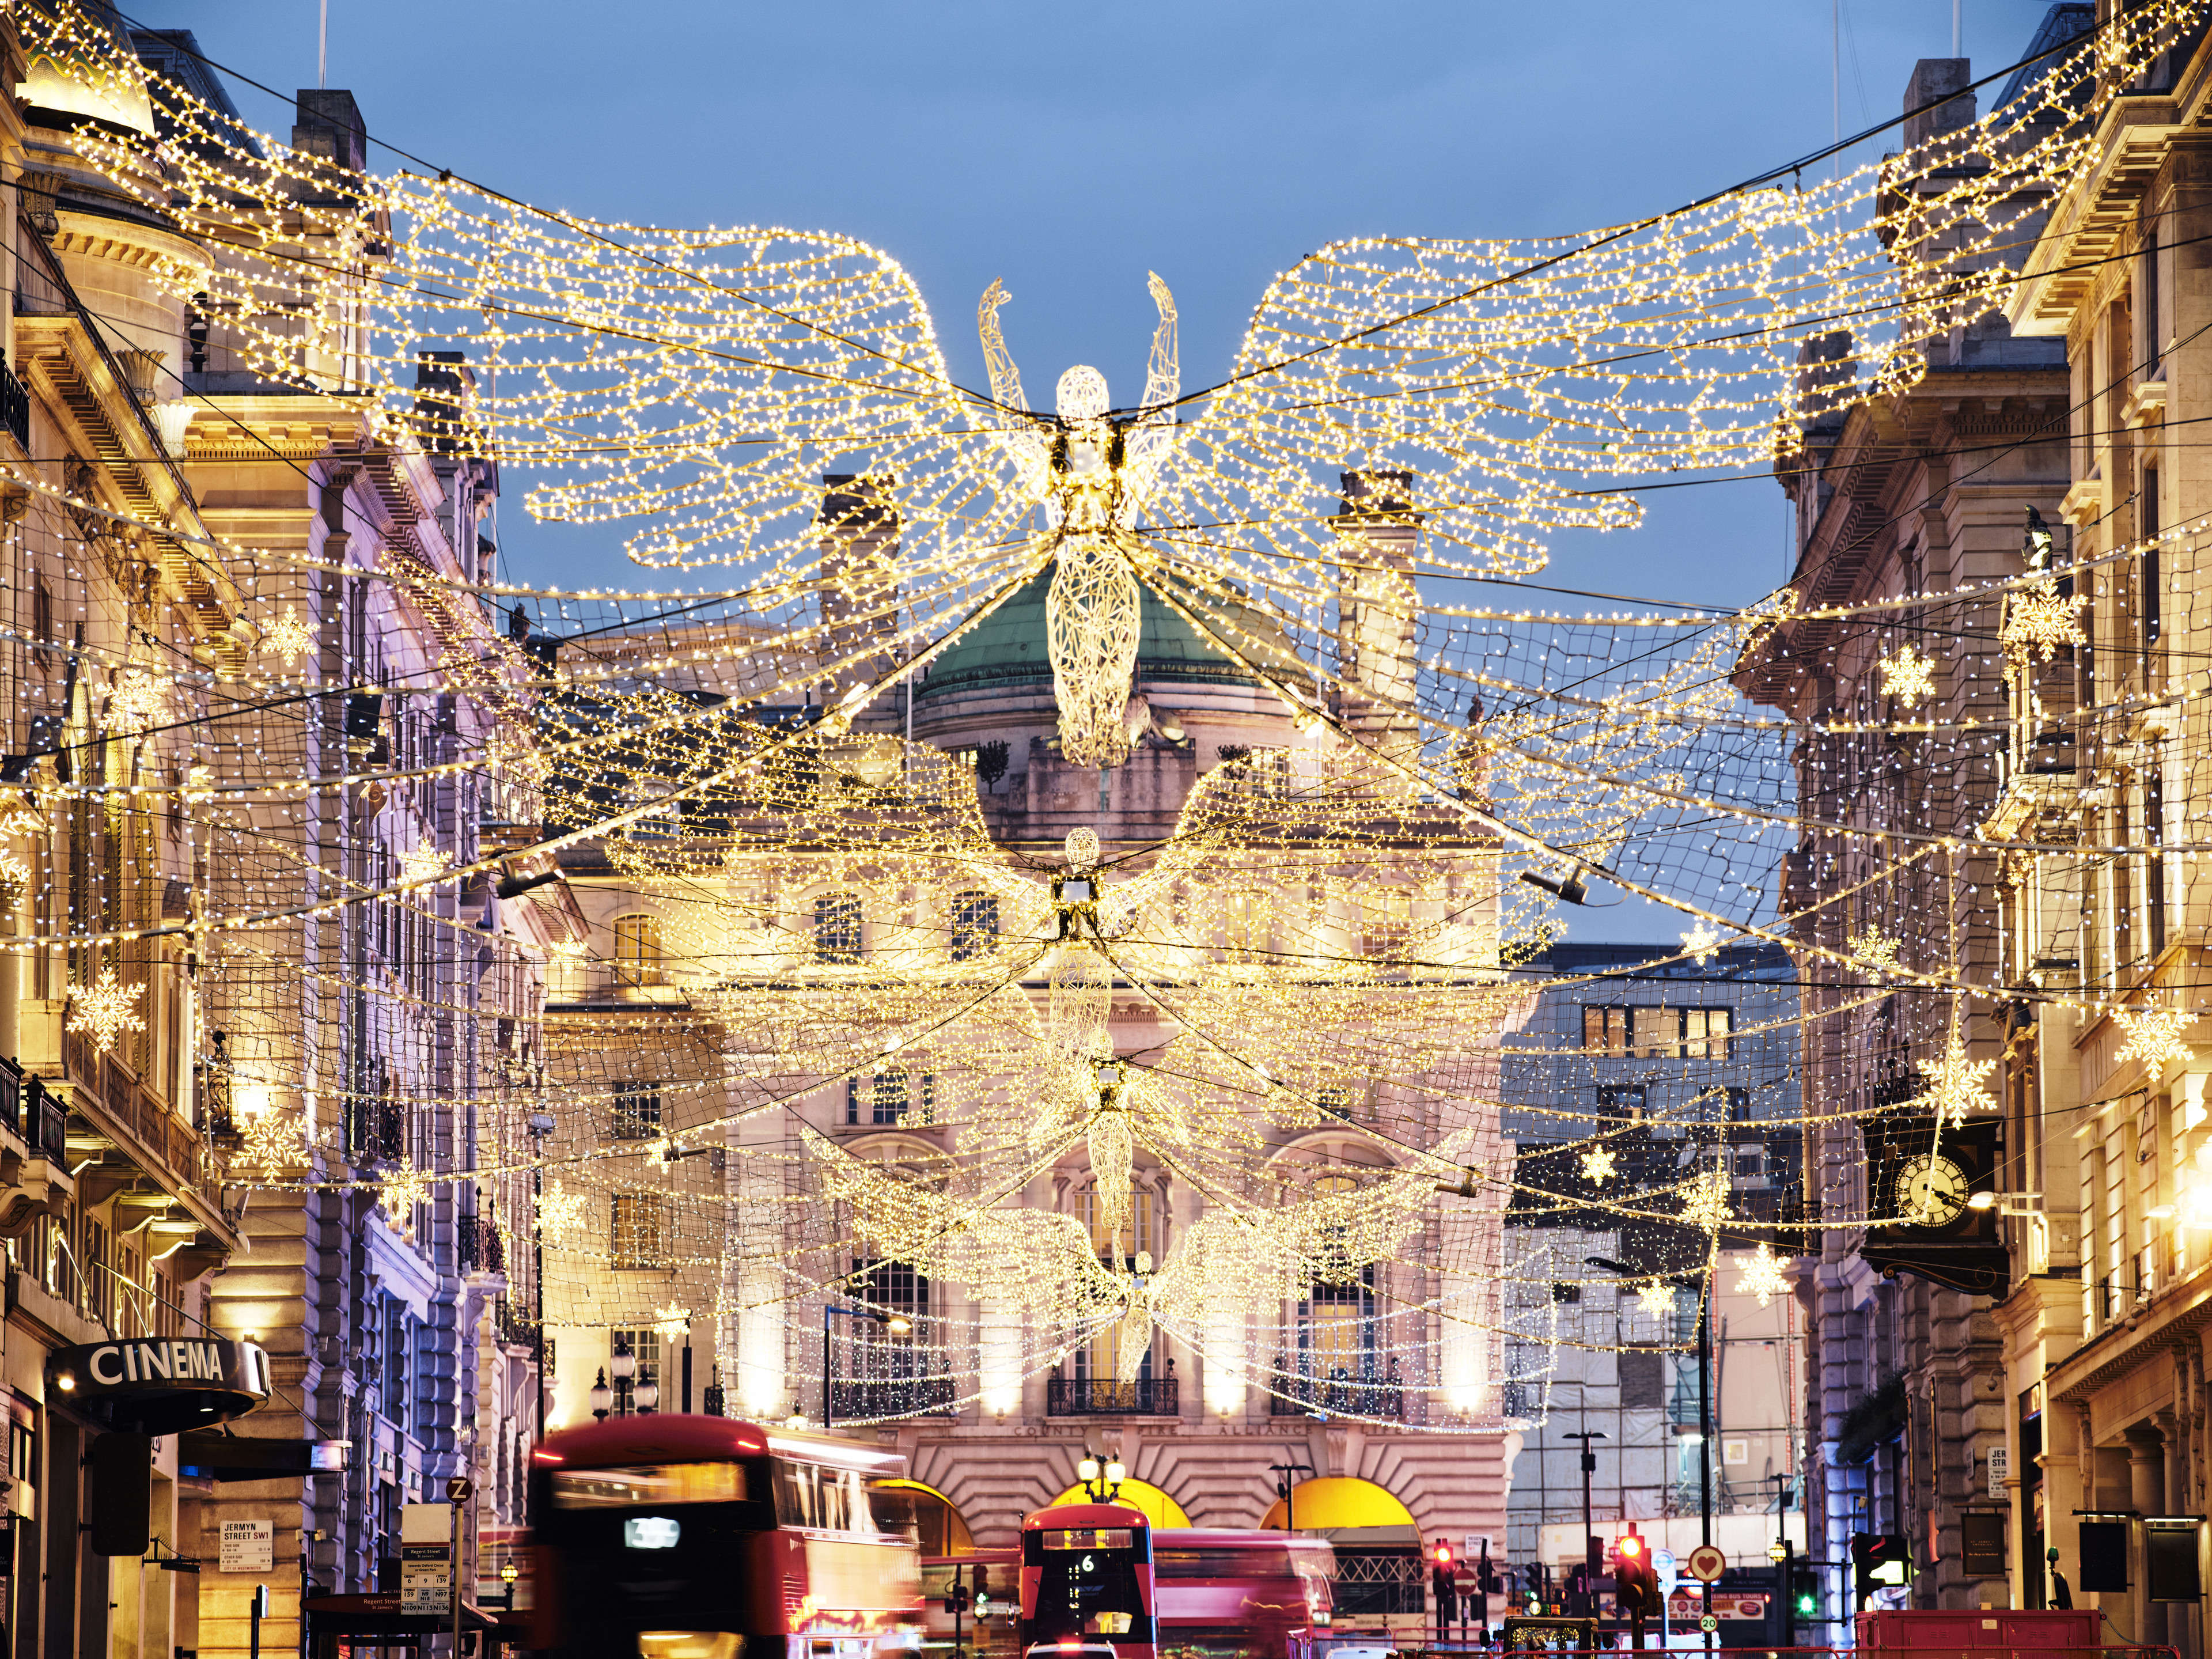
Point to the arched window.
(974, 923)
(837, 927)
(637, 949)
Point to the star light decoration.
(1701, 943)
(1908, 677)
(2153, 1038)
(1598, 1166)
(1958, 1091)
(107, 1009)
(1763, 1275)
(288, 638)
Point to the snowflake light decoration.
(1909, 677)
(1876, 951)
(269, 1139)
(561, 1213)
(398, 1192)
(672, 1322)
(2154, 1036)
(1701, 943)
(1763, 1275)
(424, 862)
(1705, 1200)
(288, 638)
(15, 880)
(105, 1009)
(2036, 622)
(1656, 1298)
(139, 700)
(1958, 1091)
(1597, 1165)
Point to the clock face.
(1932, 1190)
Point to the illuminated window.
(638, 1224)
(974, 925)
(637, 1111)
(837, 927)
(637, 949)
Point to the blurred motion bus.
(682, 1537)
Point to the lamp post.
(1590, 1538)
(1779, 1552)
(1101, 1482)
(623, 1363)
(1284, 1487)
(1701, 1283)
(896, 1324)
(602, 1397)
(541, 1125)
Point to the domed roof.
(1007, 647)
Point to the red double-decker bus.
(680, 1537)
(1087, 1582)
(1099, 1582)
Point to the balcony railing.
(480, 1247)
(1103, 1397)
(1363, 1391)
(14, 406)
(894, 1396)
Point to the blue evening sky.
(1069, 149)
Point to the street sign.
(1726, 1605)
(1709, 1623)
(1467, 1578)
(249, 1547)
(426, 1579)
(1707, 1562)
(458, 1489)
(1663, 1564)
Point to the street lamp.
(1702, 1283)
(896, 1324)
(602, 1397)
(1590, 1538)
(1102, 1483)
(508, 1575)
(1284, 1488)
(648, 1396)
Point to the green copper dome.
(1007, 647)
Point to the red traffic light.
(1631, 1545)
(1443, 1555)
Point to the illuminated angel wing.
(1042, 1261)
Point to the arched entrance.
(1159, 1508)
(1378, 1547)
(936, 1518)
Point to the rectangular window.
(837, 928)
(1605, 1030)
(1642, 1380)
(1621, 1101)
(974, 925)
(891, 1096)
(637, 1223)
(637, 949)
(1705, 1032)
(2152, 620)
(1738, 1105)
(637, 1111)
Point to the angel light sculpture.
(1090, 473)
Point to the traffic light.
(1878, 1558)
(1635, 1578)
(982, 1590)
(1447, 1592)
(1805, 1593)
(957, 1601)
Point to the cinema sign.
(159, 1385)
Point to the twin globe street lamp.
(644, 1399)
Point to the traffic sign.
(1707, 1562)
(458, 1489)
(1709, 1623)
(1467, 1578)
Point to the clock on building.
(1932, 1190)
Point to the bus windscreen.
(1087, 1582)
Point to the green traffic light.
(1808, 1605)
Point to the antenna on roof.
(323, 46)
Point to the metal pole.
(1788, 1592)
(829, 1410)
(1706, 1441)
(457, 1579)
(253, 1622)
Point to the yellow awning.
(1334, 1501)
(957, 1540)
(1159, 1508)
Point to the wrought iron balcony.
(14, 406)
(931, 1395)
(1363, 1391)
(1103, 1397)
(481, 1247)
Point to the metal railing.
(1104, 1396)
(1364, 1391)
